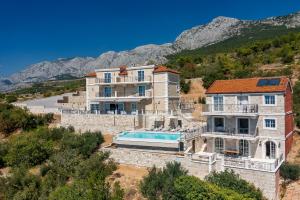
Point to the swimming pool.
(150, 135)
(149, 140)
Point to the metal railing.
(230, 108)
(125, 79)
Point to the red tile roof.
(247, 85)
(92, 74)
(159, 69)
(123, 71)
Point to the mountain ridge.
(219, 29)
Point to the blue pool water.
(150, 135)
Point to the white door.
(242, 103)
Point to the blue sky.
(35, 30)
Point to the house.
(250, 118)
(132, 90)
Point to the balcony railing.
(241, 132)
(231, 108)
(126, 79)
(248, 163)
(115, 94)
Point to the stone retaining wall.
(103, 123)
(267, 181)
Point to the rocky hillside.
(219, 29)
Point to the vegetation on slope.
(68, 167)
(172, 182)
(13, 118)
(245, 61)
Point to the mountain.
(218, 30)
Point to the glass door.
(218, 103)
(243, 126)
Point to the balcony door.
(242, 102)
(270, 149)
(141, 76)
(107, 91)
(243, 125)
(107, 77)
(219, 124)
(218, 103)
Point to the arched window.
(244, 147)
(270, 149)
(219, 145)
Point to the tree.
(290, 171)
(192, 188)
(228, 179)
(160, 183)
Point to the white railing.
(231, 108)
(254, 164)
(231, 132)
(115, 94)
(125, 79)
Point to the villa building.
(250, 118)
(133, 90)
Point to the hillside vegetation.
(248, 60)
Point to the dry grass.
(129, 177)
(294, 155)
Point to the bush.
(202, 100)
(160, 183)
(192, 188)
(185, 86)
(290, 171)
(11, 98)
(230, 180)
(28, 150)
(3, 152)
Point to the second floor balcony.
(122, 80)
(230, 109)
(118, 95)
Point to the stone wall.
(266, 181)
(104, 123)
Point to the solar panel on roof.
(268, 82)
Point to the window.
(219, 124)
(270, 100)
(141, 90)
(218, 103)
(107, 77)
(141, 76)
(219, 145)
(244, 147)
(107, 91)
(95, 107)
(133, 107)
(270, 123)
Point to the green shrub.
(28, 150)
(185, 86)
(160, 183)
(192, 188)
(11, 98)
(290, 171)
(3, 152)
(228, 179)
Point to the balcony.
(230, 109)
(122, 80)
(116, 95)
(232, 133)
